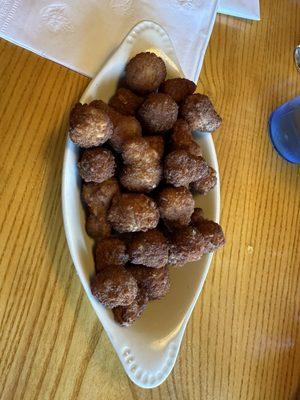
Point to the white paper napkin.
(81, 34)
(240, 8)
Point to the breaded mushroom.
(155, 281)
(176, 205)
(178, 88)
(182, 138)
(142, 171)
(206, 183)
(97, 226)
(96, 165)
(149, 248)
(111, 112)
(197, 216)
(200, 114)
(158, 144)
(98, 196)
(186, 245)
(131, 212)
(212, 232)
(110, 252)
(145, 72)
(127, 315)
(181, 168)
(114, 287)
(89, 127)
(139, 151)
(125, 127)
(158, 113)
(125, 101)
(141, 178)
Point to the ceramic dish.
(149, 348)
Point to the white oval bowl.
(149, 348)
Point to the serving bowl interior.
(149, 348)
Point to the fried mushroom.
(154, 281)
(141, 178)
(89, 127)
(206, 183)
(158, 144)
(197, 216)
(96, 165)
(200, 114)
(127, 315)
(158, 113)
(98, 196)
(145, 72)
(114, 287)
(131, 212)
(97, 226)
(186, 245)
(212, 232)
(110, 252)
(181, 168)
(125, 101)
(176, 205)
(178, 88)
(182, 138)
(149, 248)
(139, 151)
(125, 127)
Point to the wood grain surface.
(243, 340)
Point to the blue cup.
(284, 129)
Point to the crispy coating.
(126, 237)
(149, 248)
(145, 72)
(141, 178)
(97, 226)
(186, 245)
(197, 216)
(178, 88)
(132, 212)
(89, 126)
(96, 165)
(182, 138)
(139, 151)
(206, 183)
(109, 252)
(157, 143)
(114, 287)
(200, 114)
(181, 168)
(111, 112)
(125, 126)
(212, 233)
(125, 101)
(142, 171)
(155, 281)
(176, 205)
(98, 196)
(158, 113)
(127, 315)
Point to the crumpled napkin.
(240, 8)
(81, 34)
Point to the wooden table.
(243, 340)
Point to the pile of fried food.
(140, 165)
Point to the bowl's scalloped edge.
(141, 377)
